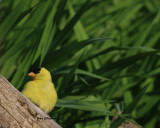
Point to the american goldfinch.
(41, 90)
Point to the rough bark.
(16, 111)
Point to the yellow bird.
(41, 90)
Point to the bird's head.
(40, 74)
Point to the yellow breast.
(42, 93)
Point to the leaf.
(86, 106)
(78, 28)
(125, 62)
(62, 53)
(69, 76)
(47, 35)
(12, 17)
(64, 33)
(130, 107)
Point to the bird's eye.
(36, 70)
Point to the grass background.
(103, 57)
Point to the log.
(16, 111)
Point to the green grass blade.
(71, 49)
(131, 106)
(64, 33)
(69, 76)
(47, 35)
(12, 17)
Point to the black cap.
(36, 70)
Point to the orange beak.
(32, 74)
